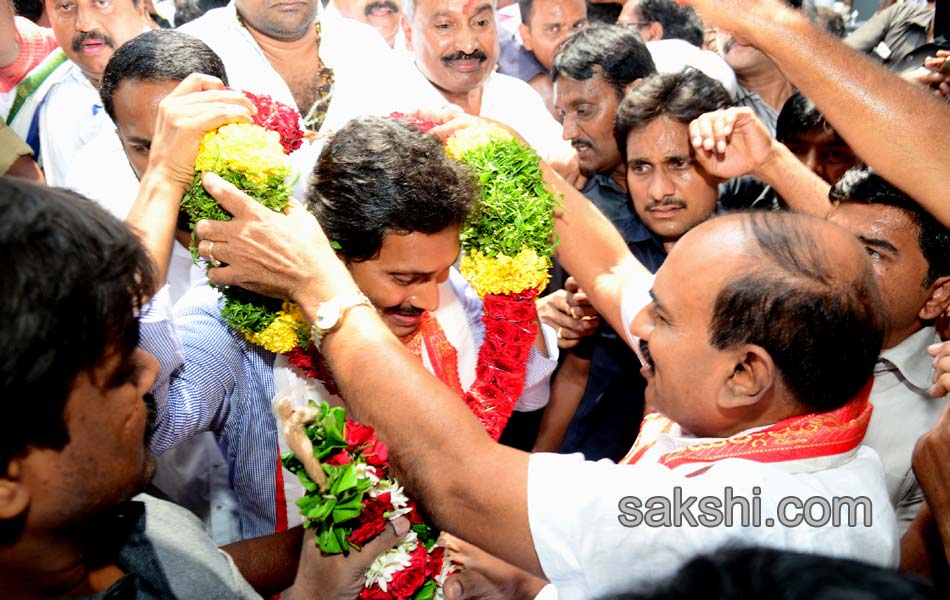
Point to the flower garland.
(507, 245)
(252, 156)
(357, 501)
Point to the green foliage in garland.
(516, 210)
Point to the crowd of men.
(748, 307)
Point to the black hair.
(30, 9)
(377, 176)
(158, 55)
(862, 185)
(681, 96)
(74, 278)
(799, 115)
(614, 52)
(525, 7)
(189, 10)
(751, 573)
(822, 325)
(679, 22)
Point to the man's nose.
(661, 185)
(86, 19)
(426, 296)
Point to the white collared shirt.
(903, 411)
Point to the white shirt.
(672, 55)
(507, 100)
(366, 76)
(575, 515)
(903, 411)
(70, 117)
(458, 303)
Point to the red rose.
(377, 454)
(374, 593)
(340, 458)
(435, 562)
(358, 434)
(407, 582)
(371, 521)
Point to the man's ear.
(526, 40)
(938, 300)
(406, 29)
(753, 375)
(631, 85)
(14, 495)
(656, 30)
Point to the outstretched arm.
(895, 126)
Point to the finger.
(436, 115)
(934, 349)
(391, 536)
(581, 299)
(230, 198)
(468, 584)
(197, 82)
(695, 136)
(706, 132)
(571, 285)
(722, 129)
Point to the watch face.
(328, 314)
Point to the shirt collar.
(911, 359)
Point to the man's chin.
(401, 326)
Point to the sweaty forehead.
(660, 138)
(136, 104)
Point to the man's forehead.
(446, 7)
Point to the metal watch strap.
(338, 308)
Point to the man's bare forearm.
(898, 128)
(470, 485)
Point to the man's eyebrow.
(879, 243)
(412, 273)
(656, 302)
(138, 140)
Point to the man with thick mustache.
(381, 15)
(88, 31)
(455, 48)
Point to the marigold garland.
(252, 156)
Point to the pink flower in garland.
(372, 521)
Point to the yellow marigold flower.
(503, 274)
(472, 137)
(244, 148)
(284, 334)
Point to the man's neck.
(46, 568)
(470, 101)
(284, 51)
(769, 83)
(619, 176)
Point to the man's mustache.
(383, 4)
(476, 55)
(151, 412)
(677, 202)
(405, 310)
(84, 36)
(645, 353)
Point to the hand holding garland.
(198, 104)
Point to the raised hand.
(731, 142)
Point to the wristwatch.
(329, 314)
